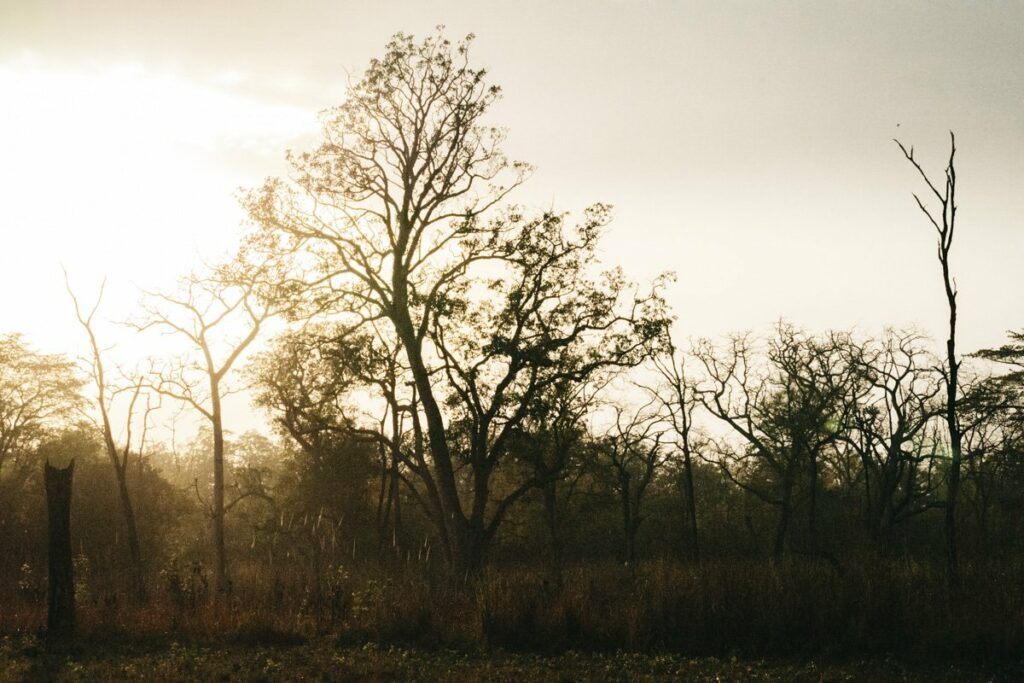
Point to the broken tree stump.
(60, 620)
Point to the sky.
(748, 147)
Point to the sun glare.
(121, 171)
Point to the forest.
(482, 436)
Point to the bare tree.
(944, 222)
(634, 456)
(787, 408)
(891, 411)
(678, 396)
(104, 400)
(219, 316)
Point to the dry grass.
(799, 609)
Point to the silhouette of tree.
(37, 392)
(944, 222)
(104, 400)
(395, 224)
(219, 316)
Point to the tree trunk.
(134, 551)
(464, 553)
(60, 621)
(139, 593)
(691, 504)
(470, 550)
(953, 492)
(782, 530)
(554, 529)
(399, 533)
(629, 532)
(220, 574)
(812, 501)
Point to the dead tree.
(944, 223)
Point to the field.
(324, 660)
(799, 621)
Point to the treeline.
(461, 383)
(800, 445)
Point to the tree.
(944, 222)
(678, 396)
(37, 392)
(237, 299)
(105, 397)
(786, 415)
(891, 411)
(60, 618)
(634, 456)
(395, 225)
(311, 382)
(550, 441)
(992, 419)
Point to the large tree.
(397, 228)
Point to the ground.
(325, 660)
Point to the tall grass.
(792, 608)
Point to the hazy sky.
(746, 146)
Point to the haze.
(747, 148)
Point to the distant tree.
(633, 455)
(138, 403)
(786, 411)
(1007, 386)
(891, 414)
(678, 397)
(992, 419)
(394, 223)
(37, 392)
(218, 316)
(944, 222)
(551, 441)
(313, 382)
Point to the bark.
(221, 582)
(135, 552)
(691, 502)
(60, 621)
(785, 513)
(553, 522)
